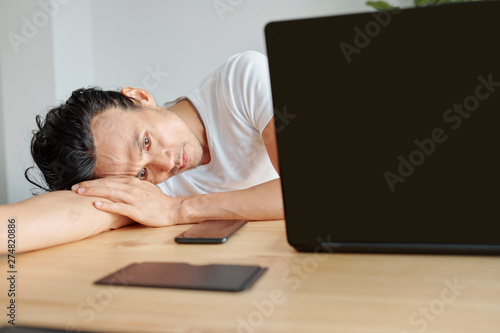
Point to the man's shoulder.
(247, 60)
(249, 55)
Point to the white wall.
(115, 43)
(3, 179)
(186, 39)
(73, 49)
(27, 85)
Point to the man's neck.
(190, 116)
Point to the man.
(208, 155)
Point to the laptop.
(388, 129)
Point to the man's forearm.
(261, 202)
(55, 218)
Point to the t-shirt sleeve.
(250, 88)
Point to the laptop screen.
(388, 124)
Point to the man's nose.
(164, 163)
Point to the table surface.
(300, 292)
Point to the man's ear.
(140, 94)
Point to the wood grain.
(299, 293)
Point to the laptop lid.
(388, 129)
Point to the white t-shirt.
(235, 105)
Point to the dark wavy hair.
(63, 146)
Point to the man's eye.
(143, 174)
(147, 142)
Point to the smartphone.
(210, 232)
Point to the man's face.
(152, 144)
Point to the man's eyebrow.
(138, 142)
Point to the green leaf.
(420, 3)
(380, 5)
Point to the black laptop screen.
(388, 124)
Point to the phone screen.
(210, 232)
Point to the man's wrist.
(189, 209)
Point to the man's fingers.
(123, 209)
(117, 208)
(113, 194)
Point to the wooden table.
(299, 293)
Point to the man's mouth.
(184, 159)
(181, 161)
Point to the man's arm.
(55, 218)
(260, 202)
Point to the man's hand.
(139, 200)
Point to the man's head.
(99, 133)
